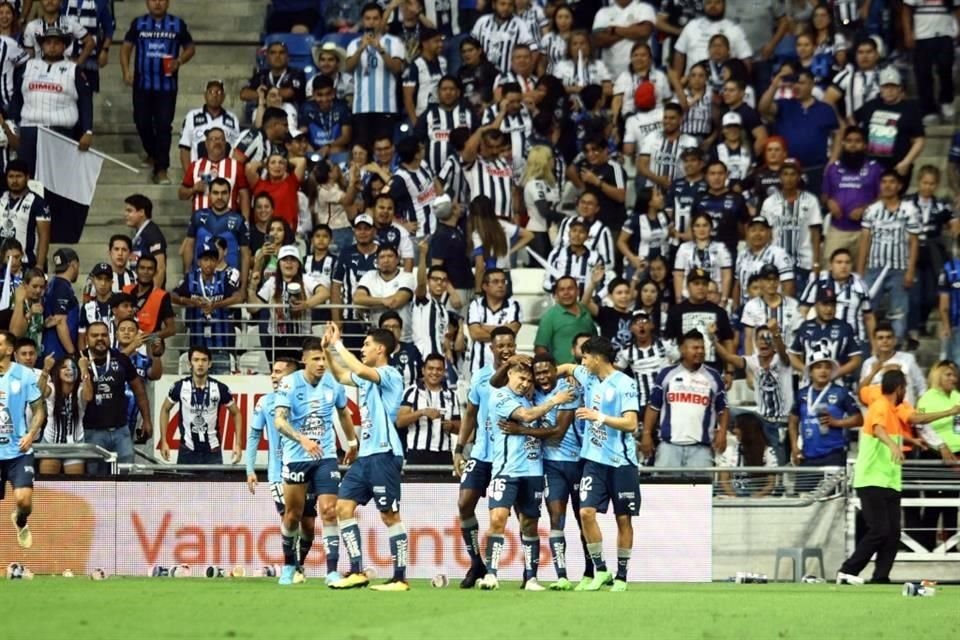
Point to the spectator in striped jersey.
(936, 215)
(572, 259)
(12, 250)
(644, 354)
(682, 194)
(405, 357)
(521, 72)
(858, 83)
(432, 318)
(796, 219)
(390, 232)
(516, 125)
(436, 124)
(697, 99)
(613, 318)
(257, 144)
(540, 197)
(492, 309)
(421, 78)
(703, 252)
(451, 174)
(761, 251)
(553, 44)
(96, 307)
(353, 261)
(376, 60)
(646, 233)
(118, 255)
(889, 244)
(732, 152)
(430, 414)
(770, 304)
(770, 375)
(414, 188)
(214, 163)
(853, 296)
(501, 31)
(486, 172)
(658, 155)
(599, 237)
(579, 69)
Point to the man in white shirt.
(198, 121)
(387, 288)
(887, 357)
(617, 27)
(694, 41)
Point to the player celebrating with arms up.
(304, 416)
(610, 471)
(18, 389)
(376, 473)
(517, 471)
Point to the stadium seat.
(799, 555)
(528, 332)
(528, 292)
(254, 362)
(299, 47)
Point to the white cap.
(732, 119)
(289, 251)
(890, 75)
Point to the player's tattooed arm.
(281, 420)
(38, 418)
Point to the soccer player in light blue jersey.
(18, 390)
(475, 473)
(609, 449)
(304, 409)
(517, 472)
(376, 473)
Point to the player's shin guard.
(350, 531)
(531, 556)
(398, 550)
(331, 546)
(305, 545)
(288, 542)
(494, 551)
(595, 549)
(623, 559)
(22, 514)
(558, 549)
(470, 532)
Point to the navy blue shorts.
(524, 493)
(562, 479)
(320, 476)
(18, 472)
(602, 483)
(476, 476)
(377, 477)
(309, 505)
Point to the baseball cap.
(691, 152)
(697, 274)
(101, 269)
(120, 298)
(289, 251)
(363, 218)
(826, 295)
(62, 259)
(56, 32)
(769, 271)
(759, 220)
(645, 97)
(792, 163)
(732, 119)
(890, 75)
(639, 315)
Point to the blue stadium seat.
(299, 47)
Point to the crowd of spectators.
(689, 167)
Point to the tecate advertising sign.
(127, 527)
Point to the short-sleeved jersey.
(206, 226)
(613, 396)
(514, 456)
(689, 404)
(263, 415)
(199, 411)
(479, 396)
(310, 408)
(379, 404)
(567, 449)
(18, 389)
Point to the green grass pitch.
(78, 608)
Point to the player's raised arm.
(350, 361)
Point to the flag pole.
(100, 154)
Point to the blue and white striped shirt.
(688, 403)
(375, 85)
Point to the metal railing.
(76, 451)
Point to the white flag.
(64, 169)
